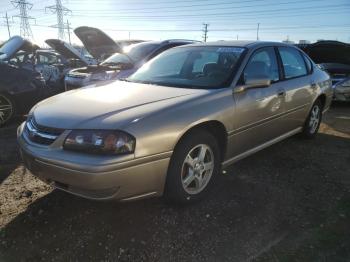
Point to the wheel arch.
(214, 127)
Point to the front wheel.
(313, 121)
(7, 109)
(193, 169)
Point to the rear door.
(298, 85)
(259, 111)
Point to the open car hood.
(13, 45)
(98, 44)
(66, 50)
(328, 52)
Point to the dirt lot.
(290, 202)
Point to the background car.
(333, 57)
(30, 74)
(121, 64)
(170, 127)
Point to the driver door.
(259, 110)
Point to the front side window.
(263, 64)
(191, 66)
(293, 62)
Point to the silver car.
(170, 127)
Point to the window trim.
(305, 57)
(284, 74)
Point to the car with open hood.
(29, 74)
(20, 85)
(121, 64)
(171, 126)
(333, 57)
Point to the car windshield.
(195, 67)
(133, 54)
(138, 52)
(117, 59)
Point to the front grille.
(40, 134)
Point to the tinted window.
(263, 64)
(194, 67)
(293, 62)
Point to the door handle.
(281, 93)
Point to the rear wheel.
(7, 109)
(193, 169)
(313, 121)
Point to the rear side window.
(308, 64)
(293, 62)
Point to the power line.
(207, 8)
(24, 6)
(60, 11)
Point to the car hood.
(98, 44)
(328, 52)
(109, 106)
(66, 50)
(13, 45)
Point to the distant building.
(303, 42)
(287, 41)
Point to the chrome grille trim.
(41, 135)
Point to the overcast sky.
(162, 19)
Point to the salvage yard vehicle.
(121, 64)
(333, 57)
(170, 127)
(20, 86)
(29, 74)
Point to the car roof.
(246, 44)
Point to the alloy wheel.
(6, 109)
(314, 118)
(197, 169)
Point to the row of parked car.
(29, 74)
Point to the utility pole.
(60, 11)
(24, 6)
(8, 26)
(205, 32)
(68, 29)
(257, 32)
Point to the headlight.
(100, 142)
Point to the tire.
(313, 121)
(7, 109)
(190, 175)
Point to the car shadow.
(279, 192)
(9, 153)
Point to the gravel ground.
(290, 202)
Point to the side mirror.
(253, 83)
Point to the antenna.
(60, 10)
(24, 6)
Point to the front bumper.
(341, 95)
(121, 180)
